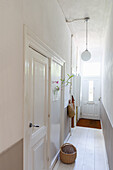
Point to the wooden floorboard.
(91, 153)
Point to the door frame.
(31, 40)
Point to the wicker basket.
(70, 156)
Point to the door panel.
(39, 154)
(91, 109)
(37, 107)
(39, 93)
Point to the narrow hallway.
(91, 154)
(56, 69)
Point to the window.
(91, 69)
(90, 91)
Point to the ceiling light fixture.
(86, 55)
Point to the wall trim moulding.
(35, 42)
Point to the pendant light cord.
(86, 34)
(86, 20)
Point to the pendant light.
(86, 55)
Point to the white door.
(91, 97)
(36, 110)
(55, 121)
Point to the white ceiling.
(97, 10)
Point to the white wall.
(45, 19)
(11, 73)
(107, 72)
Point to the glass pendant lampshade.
(86, 55)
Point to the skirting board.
(89, 117)
(55, 161)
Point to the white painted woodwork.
(74, 86)
(78, 89)
(90, 109)
(91, 153)
(74, 51)
(55, 123)
(36, 104)
(32, 41)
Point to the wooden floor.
(89, 123)
(91, 153)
